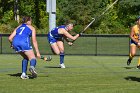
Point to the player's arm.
(34, 41)
(67, 39)
(10, 38)
(65, 33)
(69, 42)
(132, 35)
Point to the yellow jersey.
(136, 31)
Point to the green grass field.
(84, 74)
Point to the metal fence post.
(1, 44)
(129, 45)
(96, 47)
(51, 9)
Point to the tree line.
(117, 20)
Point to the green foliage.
(26, 7)
(78, 28)
(8, 15)
(129, 16)
(8, 28)
(117, 20)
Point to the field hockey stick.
(96, 18)
(93, 19)
(48, 58)
(108, 8)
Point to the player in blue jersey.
(55, 38)
(20, 41)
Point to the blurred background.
(117, 20)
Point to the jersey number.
(22, 29)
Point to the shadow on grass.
(19, 74)
(15, 75)
(129, 67)
(131, 78)
(51, 67)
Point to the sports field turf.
(84, 74)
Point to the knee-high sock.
(33, 62)
(24, 65)
(62, 58)
(130, 56)
(139, 61)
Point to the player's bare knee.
(32, 58)
(133, 54)
(62, 51)
(57, 53)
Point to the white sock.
(23, 74)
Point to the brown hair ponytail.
(25, 19)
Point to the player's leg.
(24, 66)
(138, 65)
(55, 48)
(31, 56)
(62, 55)
(18, 49)
(59, 50)
(132, 53)
(53, 44)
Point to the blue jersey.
(21, 41)
(53, 35)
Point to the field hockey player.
(55, 38)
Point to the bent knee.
(133, 53)
(57, 53)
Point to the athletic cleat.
(62, 65)
(138, 67)
(32, 70)
(24, 77)
(129, 61)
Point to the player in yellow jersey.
(134, 42)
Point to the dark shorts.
(133, 42)
(52, 40)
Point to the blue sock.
(24, 65)
(62, 58)
(33, 62)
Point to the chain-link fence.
(84, 45)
